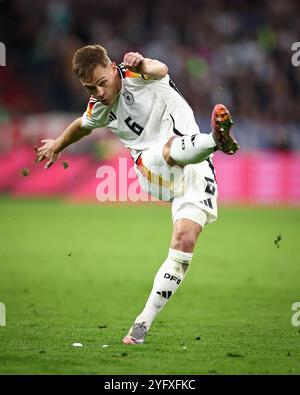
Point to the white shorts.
(191, 189)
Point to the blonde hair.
(87, 58)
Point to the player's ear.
(114, 68)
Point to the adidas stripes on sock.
(167, 280)
(192, 149)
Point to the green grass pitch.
(80, 273)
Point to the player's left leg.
(191, 149)
(169, 276)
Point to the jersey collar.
(121, 70)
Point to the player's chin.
(105, 102)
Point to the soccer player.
(139, 102)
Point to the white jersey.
(145, 112)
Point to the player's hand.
(133, 61)
(47, 151)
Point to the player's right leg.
(191, 149)
(169, 276)
(193, 206)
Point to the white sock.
(192, 149)
(166, 282)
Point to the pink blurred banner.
(259, 177)
(252, 177)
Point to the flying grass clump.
(25, 172)
(277, 240)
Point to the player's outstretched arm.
(151, 68)
(51, 148)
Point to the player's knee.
(185, 241)
(167, 152)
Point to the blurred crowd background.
(234, 52)
(238, 53)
